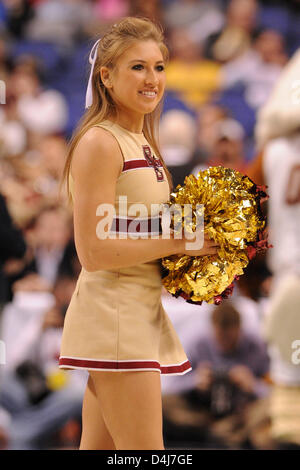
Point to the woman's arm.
(97, 162)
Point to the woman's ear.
(105, 75)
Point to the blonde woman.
(115, 326)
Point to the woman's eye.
(160, 68)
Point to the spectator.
(258, 68)
(230, 368)
(13, 136)
(24, 197)
(207, 116)
(235, 37)
(60, 22)
(50, 252)
(18, 14)
(151, 10)
(178, 143)
(227, 149)
(12, 246)
(40, 111)
(193, 77)
(53, 150)
(38, 397)
(200, 19)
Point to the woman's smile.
(148, 94)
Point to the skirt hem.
(67, 362)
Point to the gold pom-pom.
(232, 218)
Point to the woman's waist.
(146, 273)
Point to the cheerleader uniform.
(115, 320)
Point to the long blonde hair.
(111, 46)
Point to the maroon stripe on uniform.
(180, 368)
(93, 364)
(108, 364)
(133, 164)
(139, 226)
(140, 163)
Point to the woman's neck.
(128, 121)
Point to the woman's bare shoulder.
(95, 150)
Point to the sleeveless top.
(141, 187)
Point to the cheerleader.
(115, 326)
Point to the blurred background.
(232, 99)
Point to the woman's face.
(138, 80)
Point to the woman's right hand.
(210, 247)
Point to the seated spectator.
(230, 372)
(21, 186)
(189, 74)
(207, 116)
(5, 421)
(178, 143)
(51, 150)
(12, 132)
(59, 21)
(151, 10)
(235, 37)
(12, 245)
(41, 111)
(252, 292)
(111, 10)
(200, 19)
(13, 136)
(18, 14)
(50, 249)
(37, 396)
(258, 69)
(31, 168)
(227, 150)
(48, 239)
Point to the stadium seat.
(274, 17)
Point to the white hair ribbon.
(92, 60)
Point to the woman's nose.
(151, 78)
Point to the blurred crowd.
(232, 99)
